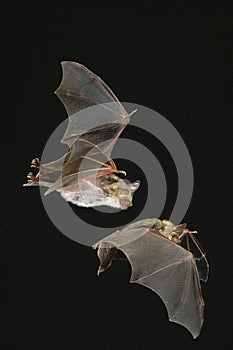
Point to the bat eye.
(123, 192)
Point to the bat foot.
(32, 178)
(35, 163)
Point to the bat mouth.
(125, 204)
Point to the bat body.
(110, 190)
(159, 262)
(86, 175)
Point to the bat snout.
(125, 203)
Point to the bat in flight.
(86, 175)
(166, 258)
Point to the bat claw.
(35, 163)
(30, 176)
(33, 179)
(121, 172)
(100, 269)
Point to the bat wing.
(164, 267)
(85, 160)
(96, 120)
(191, 243)
(89, 102)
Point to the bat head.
(172, 232)
(125, 194)
(119, 190)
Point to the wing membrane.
(96, 120)
(163, 266)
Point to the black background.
(173, 60)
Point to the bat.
(86, 175)
(159, 261)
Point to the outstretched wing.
(96, 120)
(89, 102)
(164, 267)
(191, 243)
(85, 161)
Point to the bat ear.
(134, 186)
(180, 228)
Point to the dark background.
(173, 60)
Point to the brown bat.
(86, 175)
(159, 262)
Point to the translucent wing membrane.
(80, 88)
(88, 158)
(88, 101)
(161, 265)
(191, 243)
(96, 120)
